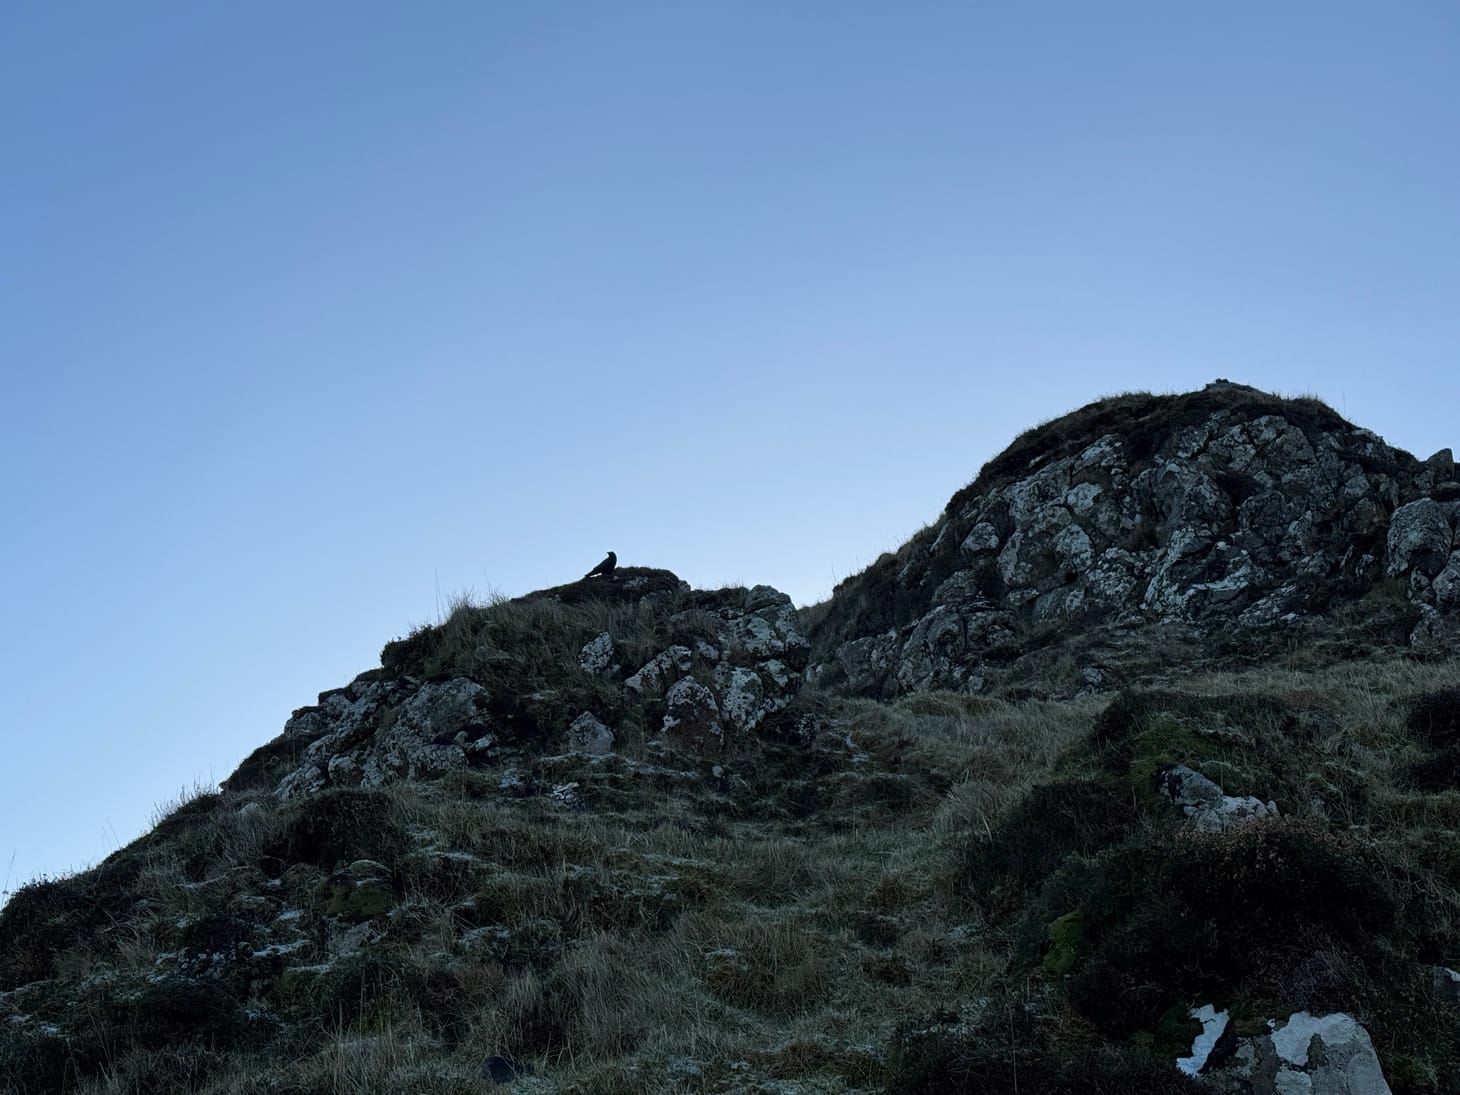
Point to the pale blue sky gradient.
(308, 310)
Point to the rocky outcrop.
(1221, 508)
(1210, 810)
(725, 660)
(1312, 1054)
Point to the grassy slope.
(868, 910)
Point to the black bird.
(605, 568)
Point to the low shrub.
(42, 920)
(1210, 916)
(1440, 771)
(37, 1063)
(1054, 822)
(1434, 718)
(339, 826)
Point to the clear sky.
(308, 311)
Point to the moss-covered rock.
(1066, 936)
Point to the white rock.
(1213, 1023)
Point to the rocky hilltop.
(1225, 507)
(1137, 771)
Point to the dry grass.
(676, 947)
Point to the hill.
(1146, 751)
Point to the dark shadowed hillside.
(1137, 771)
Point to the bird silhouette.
(605, 568)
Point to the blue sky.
(308, 311)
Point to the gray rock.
(1441, 466)
(932, 650)
(1326, 1055)
(566, 795)
(1419, 539)
(1252, 520)
(767, 626)
(597, 654)
(692, 716)
(1303, 1055)
(589, 736)
(1204, 802)
(743, 700)
(656, 675)
(982, 539)
(373, 740)
(1431, 631)
(1446, 585)
(427, 735)
(866, 660)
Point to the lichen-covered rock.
(662, 670)
(741, 652)
(692, 717)
(1419, 539)
(597, 654)
(590, 736)
(1446, 585)
(1304, 1055)
(393, 732)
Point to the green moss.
(1066, 935)
(358, 901)
(1239, 741)
(301, 989)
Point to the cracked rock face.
(1221, 508)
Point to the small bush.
(1268, 876)
(771, 968)
(1440, 771)
(178, 1010)
(1434, 718)
(35, 1063)
(43, 919)
(1053, 822)
(339, 826)
(1210, 915)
